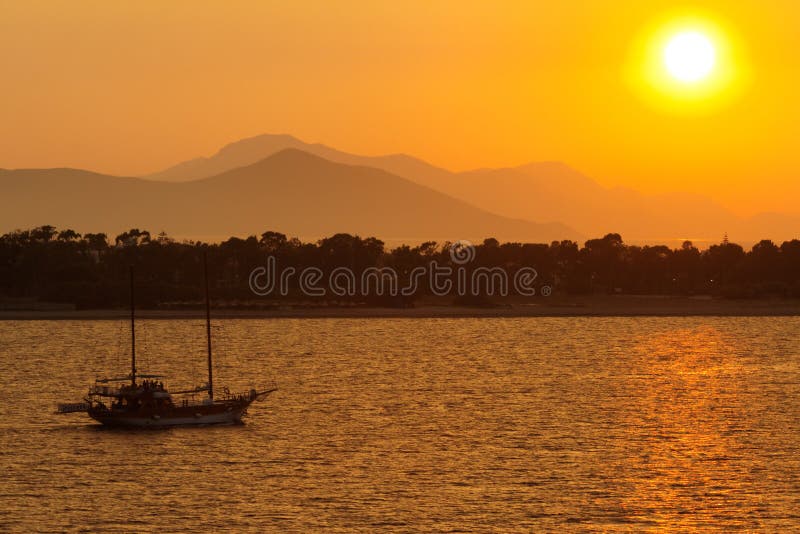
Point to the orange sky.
(131, 87)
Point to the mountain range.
(281, 183)
(541, 191)
(290, 191)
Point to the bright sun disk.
(689, 56)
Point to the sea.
(577, 424)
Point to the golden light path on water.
(542, 424)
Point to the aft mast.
(208, 328)
(133, 336)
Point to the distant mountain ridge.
(321, 190)
(290, 191)
(248, 151)
(540, 191)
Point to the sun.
(689, 56)
(688, 63)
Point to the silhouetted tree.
(723, 264)
(96, 241)
(273, 242)
(68, 235)
(686, 268)
(43, 233)
(603, 258)
(132, 238)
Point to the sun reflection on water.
(683, 458)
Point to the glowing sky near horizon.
(132, 87)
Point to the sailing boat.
(141, 400)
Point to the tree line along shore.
(46, 268)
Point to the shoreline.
(590, 306)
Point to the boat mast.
(208, 328)
(133, 336)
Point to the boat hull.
(227, 418)
(215, 415)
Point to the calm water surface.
(579, 424)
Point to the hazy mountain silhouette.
(253, 149)
(548, 189)
(290, 191)
(766, 224)
(542, 191)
